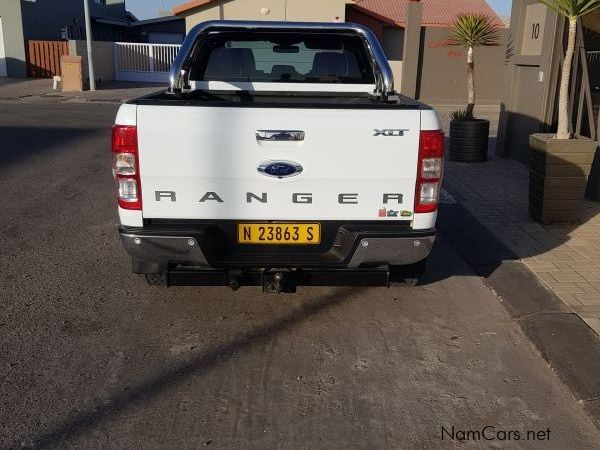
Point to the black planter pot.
(593, 187)
(558, 174)
(469, 140)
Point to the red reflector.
(124, 139)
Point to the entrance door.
(2, 52)
(525, 115)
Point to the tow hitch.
(279, 282)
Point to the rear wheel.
(156, 279)
(409, 275)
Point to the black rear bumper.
(212, 244)
(275, 280)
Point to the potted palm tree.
(559, 164)
(469, 136)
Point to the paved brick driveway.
(565, 258)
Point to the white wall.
(2, 52)
(297, 10)
(104, 63)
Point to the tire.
(408, 275)
(469, 140)
(156, 280)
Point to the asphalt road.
(91, 357)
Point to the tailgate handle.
(280, 135)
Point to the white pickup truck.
(280, 156)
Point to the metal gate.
(144, 62)
(581, 100)
(43, 58)
(594, 71)
(594, 66)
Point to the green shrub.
(461, 115)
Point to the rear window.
(282, 58)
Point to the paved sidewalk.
(19, 88)
(566, 258)
(40, 89)
(113, 92)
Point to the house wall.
(43, 19)
(393, 43)
(172, 32)
(297, 10)
(441, 69)
(114, 9)
(103, 53)
(14, 46)
(442, 77)
(531, 81)
(354, 15)
(390, 37)
(316, 10)
(393, 46)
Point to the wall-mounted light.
(265, 11)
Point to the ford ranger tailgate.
(199, 162)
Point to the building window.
(100, 2)
(66, 32)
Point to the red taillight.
(430, 168)
(126, 167)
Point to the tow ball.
(279, 282)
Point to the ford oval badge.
(280, 169)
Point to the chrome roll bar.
(381, 68)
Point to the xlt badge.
(388, 132)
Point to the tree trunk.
(470, 81)
(565, 81)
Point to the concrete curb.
(564, 340)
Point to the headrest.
(230, 63)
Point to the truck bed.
(265, 99)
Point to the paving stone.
(589, 276)
(546, 277)
(588, 298)
(594, 324)
(588, 311)
(565, 288)
(570, 300)
(534, 262)
(567, 275)
(588, 287)
(563, 266)
(566, 258)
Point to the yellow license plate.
(279, 233)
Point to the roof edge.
(182, 8)
(375, 15)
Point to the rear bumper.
(157, 247)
